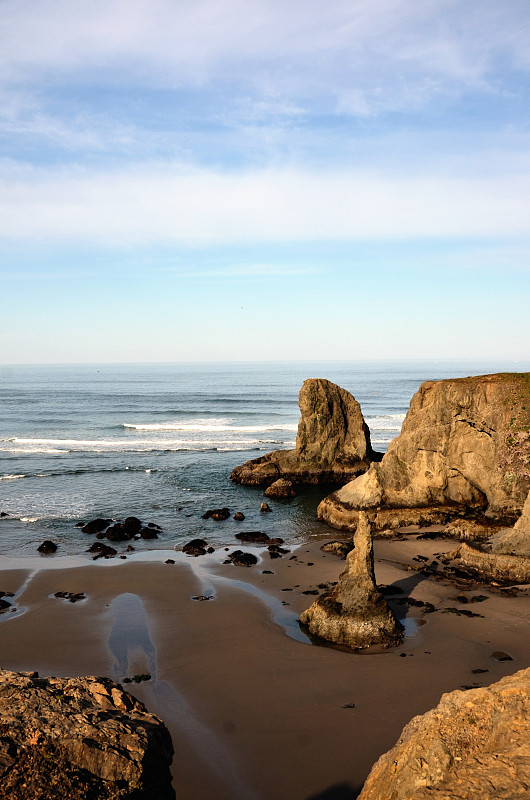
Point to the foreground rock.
(474, 744)
(79, 738)
(282, 489)
(332, 443)
(464, 448)
(353, 612)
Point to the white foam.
(194, 427)
(11, 477)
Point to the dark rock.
(118, 533)
(96, 525)
(264, 508)
(81, 739)
(253, 537)
(274, 554)
(218, 514)
(154, 525)
(275, 548)
(241, 559)
(210, 550)
(498, 655)
(72, 597)
(340, 549)
(4, 514)
(170, 561)
(102, 550)
(4, 604)
(202, 597)
(133, 525)
(239, 516)
(197, 547)
(47, 547)
(149, 533)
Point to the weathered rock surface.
(516, 540)
(332, 443)
(281, 489)
(353, 612)
(340, 549)
(474, 745)
(79, 738)
(464, 445)
(491, 566)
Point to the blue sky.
(258, 179)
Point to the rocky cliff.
(80, 738)
(475, 744)
(464, 446)
(353, 612)
(332, 442)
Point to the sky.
(202, 180)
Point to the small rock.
(102, 550)
(281, 489)
(349, 705)
(239, 516)
(264, 508)
(340, 549)
(47, 547)
(498, 655)
(202, 597)
(197, 547)
(218, 514)
(170, 561)
(253, 537)
(479, 671)
(149, 533)
(267, 572)
(241, 559)
(96, 525)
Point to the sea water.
(159, 441)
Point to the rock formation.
(353, 612)
(515, 541)
(332, 443)
(282, 489)
(475, 744)
(79, 738)
(491, 566)
(464, 447)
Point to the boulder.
(282, 489)
(241, 559)
(353, 612)
(464, 447)
(47, 547)
(332, 442)
(197, 547)
(102, 550)
(239, 516)
(218, 514)
(475, 745)
(264, 508)
(79, 738)
(96, 525)
(119, 532)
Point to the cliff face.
(79, 738)
(465, 443)
(474, 744)
(332, 442)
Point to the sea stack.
(353, 612)
(332, 442)
(464, 449)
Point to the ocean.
(159, 441)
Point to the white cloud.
(151, 204)
(377, 52)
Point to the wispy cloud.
(154, 204)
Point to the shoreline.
(253, 711)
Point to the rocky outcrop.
(332, 443)
(79, 738)
(464, 446)
(353, 612)
(491, 566)
(515, 541)
(475, 744)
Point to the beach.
(254, 709)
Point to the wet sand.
(254, 709)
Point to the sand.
(254, 709)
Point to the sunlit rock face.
(464, 447)
(332, 442)
(354, 613)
